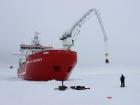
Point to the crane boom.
(81, 20)
(69, 37)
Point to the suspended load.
(106, 58)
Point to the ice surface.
(104, 89)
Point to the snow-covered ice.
(103, 83)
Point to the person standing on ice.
(122, 79)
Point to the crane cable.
(105, 36)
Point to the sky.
(19, 19)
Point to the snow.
(103, 82)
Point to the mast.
(36, 40)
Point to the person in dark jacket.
(122, 79)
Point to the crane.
(69, 37)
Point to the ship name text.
(35, 60)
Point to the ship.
(43, 63)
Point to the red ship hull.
(48, 65)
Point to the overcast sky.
(20, 18)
